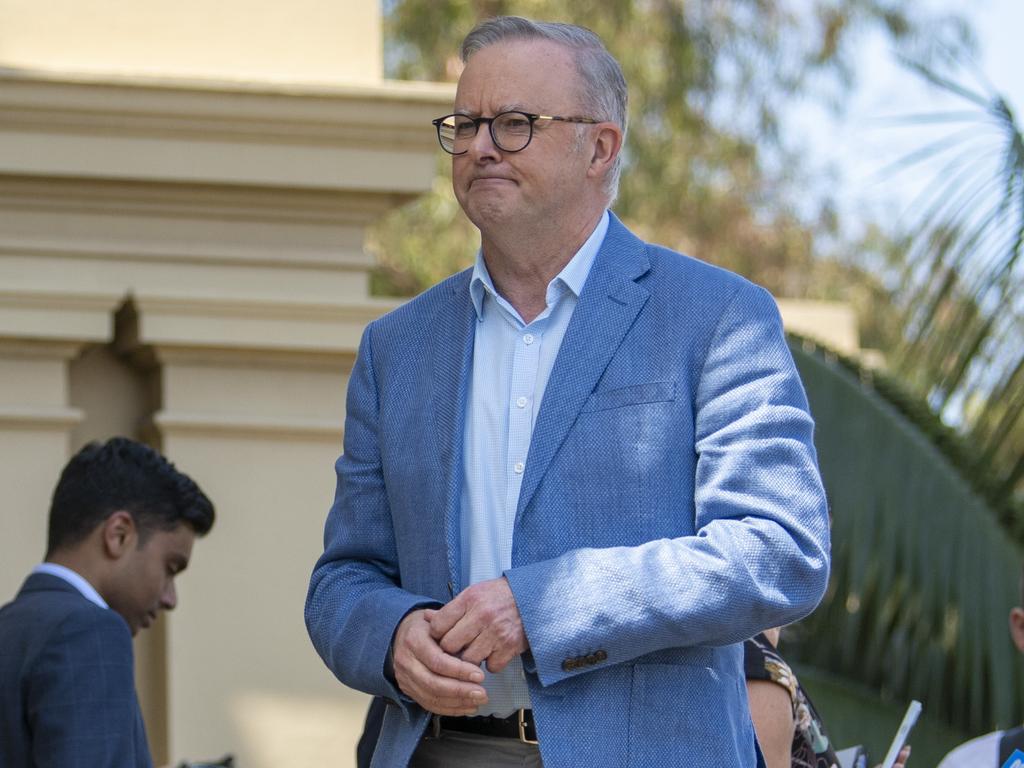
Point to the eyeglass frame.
(530, 116)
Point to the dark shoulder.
(61, 616)
(47, 629)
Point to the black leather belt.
(519, 725)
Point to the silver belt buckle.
(522, 728)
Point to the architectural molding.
(374, 138)
(212, 424)
(40, 418)
(57, 317)
(274, 326)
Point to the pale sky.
(864, 142)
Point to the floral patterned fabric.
(811, 745)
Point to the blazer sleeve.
(354, 603)
(82, 707)
(760, 554)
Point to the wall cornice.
(268, 327)
(39, 418)
(394, 111)
(373, 138)
(249, 426)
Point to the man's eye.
(515, 124)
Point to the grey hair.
(604, 87)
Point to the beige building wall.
(184, 192)
(304, 41)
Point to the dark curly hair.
(123, 474)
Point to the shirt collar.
(573, 275)
(74, 579)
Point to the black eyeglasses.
(510, 131)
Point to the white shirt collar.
(573, 275)
(74, 579)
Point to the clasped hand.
(438, 653)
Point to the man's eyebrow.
(502, 108)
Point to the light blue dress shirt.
(512, 361)
(74, 579)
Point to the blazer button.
(601, 656)
(591, 659)
(569, 665)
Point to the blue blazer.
(67, 684)
(671, 507)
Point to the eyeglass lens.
(510, 131)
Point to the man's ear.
(607, 145)
(119, 534)
(1017, 627)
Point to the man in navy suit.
(576, 476)
(122, 523)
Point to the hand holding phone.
(909, 719)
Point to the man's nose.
(483, 144)
(169, 598)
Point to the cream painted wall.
(184, 192)
(262, 693)
(35, 423)
(322, 41)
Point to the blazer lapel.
(452, 355)
(607, 307)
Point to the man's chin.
(485, 212)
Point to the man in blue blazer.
(576, 476)
(121, 527)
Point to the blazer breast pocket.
(633, 394)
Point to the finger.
(442, 620)
(442, 692)
(446, 665)
(426, 688)
(430, 660)
(479, 650)
(498, 660)
(418, 644)
(463, 634)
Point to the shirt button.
(528, 338)
(521, 402)
(519, 467)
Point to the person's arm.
(81, 704)
(771, 709)
(354, 607)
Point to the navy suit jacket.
(671, 507)
(67, 684)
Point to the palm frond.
(964, 271)
(923, 575)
